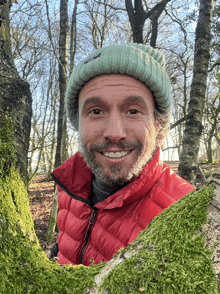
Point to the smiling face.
(117, 128)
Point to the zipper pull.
(91, 221)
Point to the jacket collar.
(75, 178)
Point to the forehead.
(119, 84)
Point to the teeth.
(116, 154)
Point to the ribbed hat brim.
(137, 60)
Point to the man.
(118, 99)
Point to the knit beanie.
(136, 60)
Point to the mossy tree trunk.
(15, 95)
(193, 126)
(169, 256)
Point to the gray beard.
(127, 176)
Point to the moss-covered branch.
(168, 257)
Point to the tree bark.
(137, 17)
(53, 217)
(209, 141)
(73, 38)
(193, 126)
(63, 67)
(154, 21)
(15, 95)
(62, 136)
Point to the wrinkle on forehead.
(112, 80)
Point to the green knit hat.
(137, 60)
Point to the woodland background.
(41, 42)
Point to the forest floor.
(41, 191)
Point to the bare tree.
(73, 37)
(137, 17)
(63, 68)
(193, 127)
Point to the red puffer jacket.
(98, 232)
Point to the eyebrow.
(132, 99)
(98, 100)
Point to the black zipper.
(86, 238)
(70, 193)
(86, 201)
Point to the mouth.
(116, 154)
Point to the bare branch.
(178, 123)
(110, 6)
(213, 66)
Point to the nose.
(115, 128)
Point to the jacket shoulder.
(172, 184)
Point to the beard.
(119, 174)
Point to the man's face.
(117, 129)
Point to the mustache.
(120, 145)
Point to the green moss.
(173, 258)
(24, 267)
(7, 147)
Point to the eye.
(95, 111)
(133, 111)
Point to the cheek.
(146, 133)
(144, 129)
(89, 135)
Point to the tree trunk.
(53, 217)
(15, 95)
(209, 141)
(62, 136)
(154, 21)
(63, 66)
(73, 38)
(193, 127)
(137, 17)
